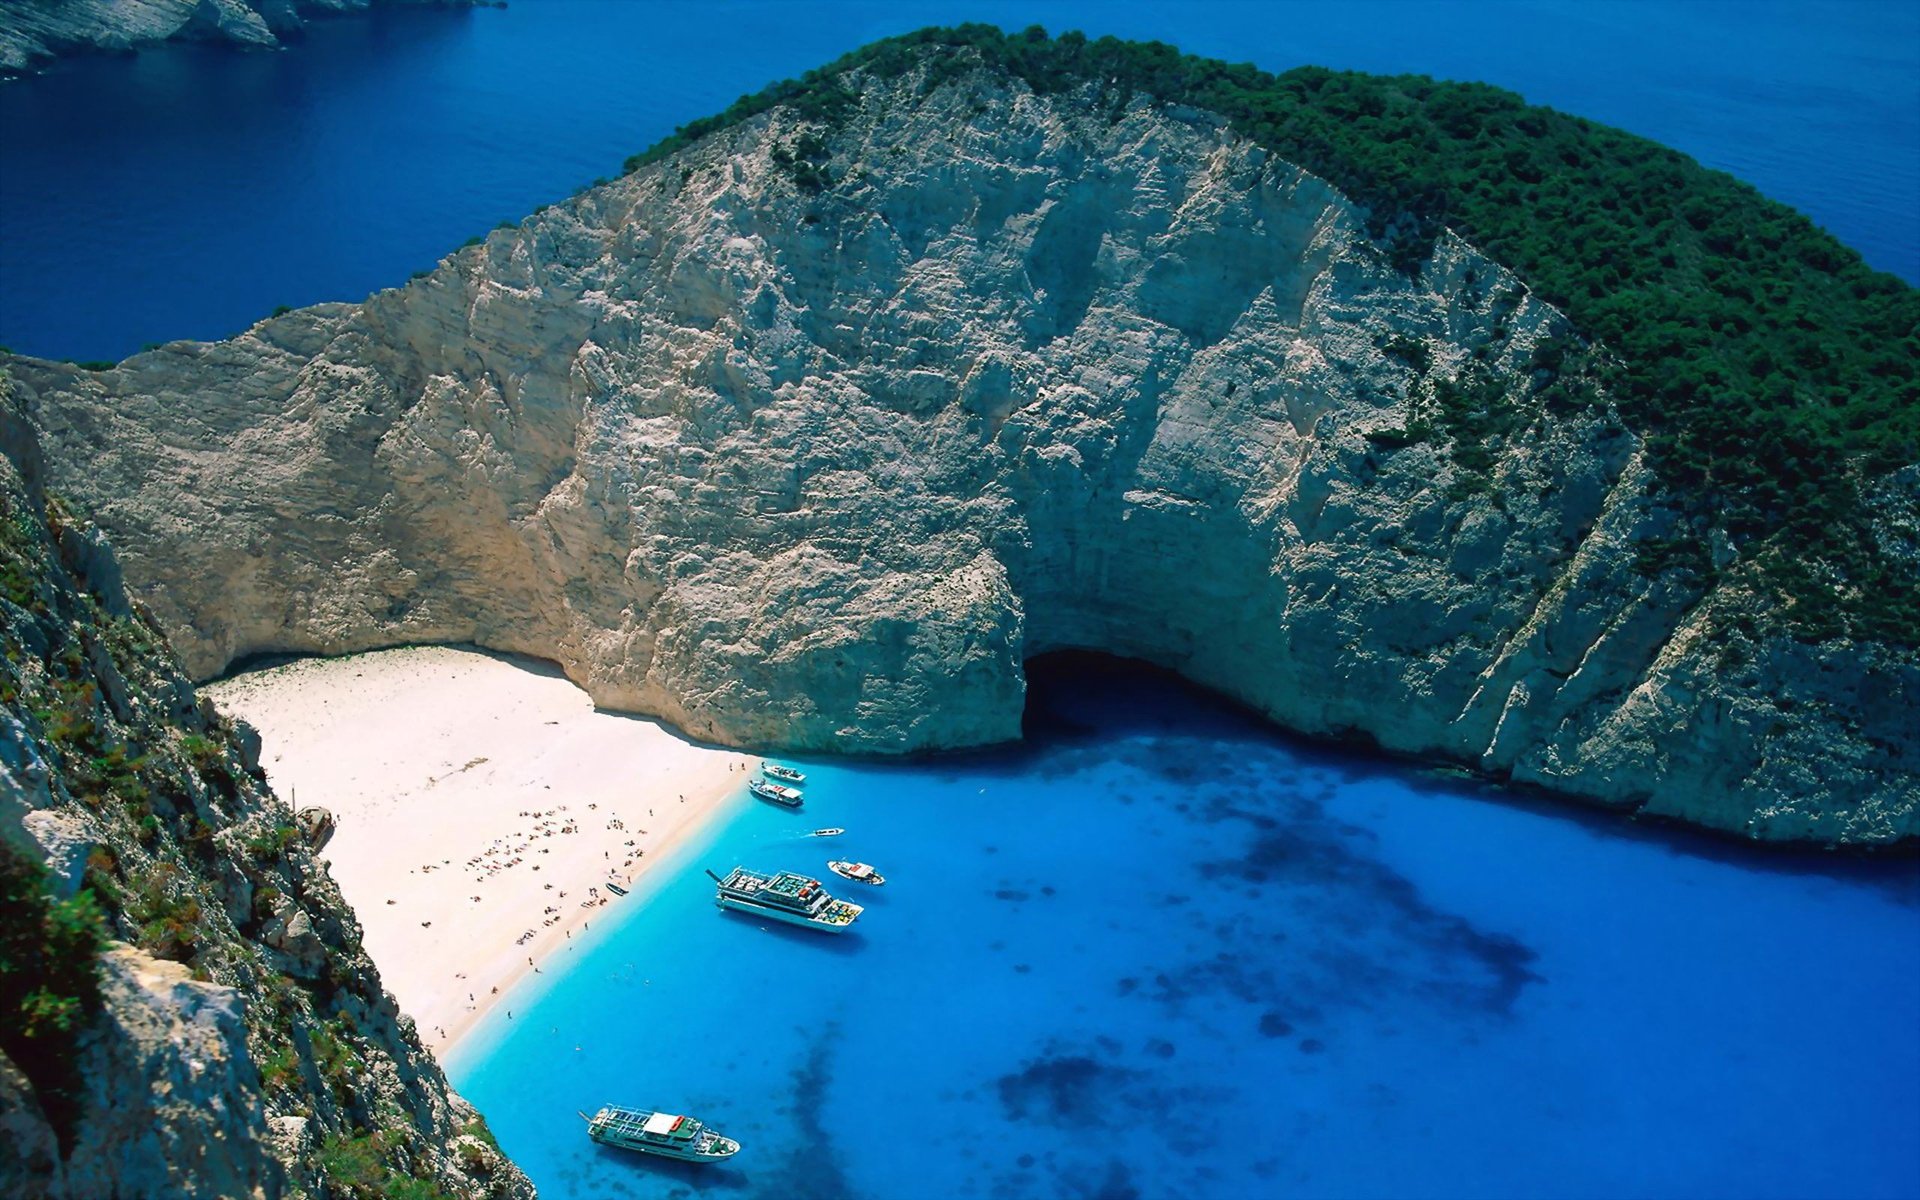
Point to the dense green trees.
(1772, 371)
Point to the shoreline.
(471, 792)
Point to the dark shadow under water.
(1078, 700)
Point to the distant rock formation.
(808, 436)
(33, 32)
(242, 1045)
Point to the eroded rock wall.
(816, 461)
(243, 1045)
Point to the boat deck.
(790, 887)
(629, 1124)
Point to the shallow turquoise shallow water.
(1160, 952)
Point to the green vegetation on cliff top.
(1772, 372)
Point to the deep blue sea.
(1160, 952)
(187, 191)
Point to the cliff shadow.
(1077, 700)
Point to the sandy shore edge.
(483, 808)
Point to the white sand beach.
(483, 807)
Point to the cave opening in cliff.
(1076, 693)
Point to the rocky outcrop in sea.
(35, 32)
(810, 434)
(241, 1044)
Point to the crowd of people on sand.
(514, 850)
(509, 852)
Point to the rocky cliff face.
(243, 1046)
(807, 437)
(33, 32)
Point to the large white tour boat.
(788, 897)
(660, 1133)
(776, 792)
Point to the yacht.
(775, 792)
(858, 872)
(788, 897)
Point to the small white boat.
(780, 774)
(858, 872)
(835, 831)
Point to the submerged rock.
(807, 437)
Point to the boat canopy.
(661, 1124)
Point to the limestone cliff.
(808, 436)
(241, 1045)
(32, 32)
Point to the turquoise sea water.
(189, 190)
(1160, 952)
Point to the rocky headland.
(808, 434)
(35, 32)
(230, 1037)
